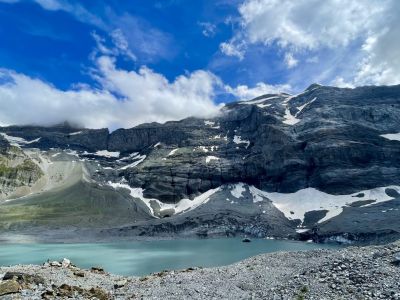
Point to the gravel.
(370, 272)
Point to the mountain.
(321, 165)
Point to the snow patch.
(210, 158)
(75, 133)
(238, 140)
(238, 190)
(263, 105)
(131, 156)
(18, 141)
(249, 102)
(107, 154)
(140, 158)
(289, 118)
(184, 205)
(300, 108)
(173, 151)
(72, 153)
(295, 205)
(392, 136)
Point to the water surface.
(144, 257)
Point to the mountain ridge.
(331, 139)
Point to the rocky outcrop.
(16, 170)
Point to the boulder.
(9, 287)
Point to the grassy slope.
(82, 205)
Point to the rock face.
(17, 170)
(337, 141)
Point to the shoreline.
(369, 272)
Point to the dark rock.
(97, 270)
(79, 273)
(24, 278)
(99, 293)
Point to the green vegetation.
(83, 205)
(25, 173)
(303, 291)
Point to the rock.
(396, 258)
(48, 294)
(79, 273)
(120, 283)
(99, 293)
(9, 287)
(65, 290)
(97, 270)
(55, 264)
(65, 263)
(24, 278)
(337, 146)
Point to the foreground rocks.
(353, 273)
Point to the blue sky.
(102, 61)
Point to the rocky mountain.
(323, 164)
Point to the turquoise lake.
(144, 257)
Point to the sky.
(120, 63)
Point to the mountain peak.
(313, 86)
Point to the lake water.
(144, 257)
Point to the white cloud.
(77, 10)
(370, 30)
(308, 24)
(243, 92)
(290, 60)
(341, 82)
(144, 96)
(208, 29)
(232, 49)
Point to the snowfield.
(184, 205)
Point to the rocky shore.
(369, 272)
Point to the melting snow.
(209, 123)
(259, 100)
(238, 140)
(300, 108)
(301, 230)
(72, 152)
(76, 133)
(210, 158)
(310, 199)
(156, 145)
(263, 105)
(392, 136)
(172, 152)
(131, 156)
(139, 158)
(237, 190)
(107, 154)
(18, 141)
(289, 118)
(207, 149)
(184, 205)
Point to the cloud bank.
(125, 98)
